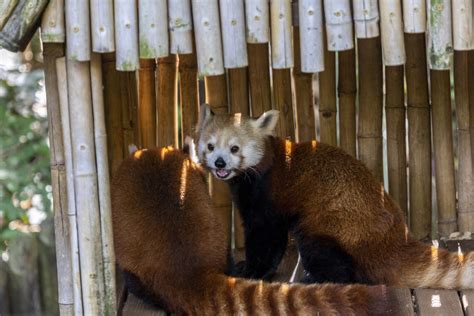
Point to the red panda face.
(229, 145)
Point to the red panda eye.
(210, 147)
(234, 149)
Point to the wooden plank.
(401, 300)
(135, 306)
(259, 78)
(238, 90)
(189, 93)
(147, 103)
(166, 101)
(432, 302)
(283, 101)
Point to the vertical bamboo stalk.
(188, 79)
(129, 103)
(147, 103)
(100, 137)
(465, 175)
(233, 33)
(392, 33)
(304, 95)
(282, 52)
(216, 97)
(396, 144)
(52, 23)
(414, 16)
(78, 30)
(71, 195)
(440, 40)
(310, 18)
(153, 28)
(366, 18)
(259, 78)
(419, 136)
(471, 102)
(102, 26)
(463, 25)
(59, 180)
(371, 105)
(85, 179)
(338, 18)
(180, 26)
(126, 35)
(6, 9)
(347, 92)
(327, 99)
(166, 101)
(258, 20)
(208, 35)
(283, 101)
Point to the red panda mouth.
(222, 173)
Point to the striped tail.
(434, 267)
(234, 296)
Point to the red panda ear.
(205, 114)
(266, 122)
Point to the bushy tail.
(234, 296)
(433, 267)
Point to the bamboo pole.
(310, 20)
(85, 179)
(392, 33)
(281, 32)
(414, 16)
(419, 136)
(327, 99)
(366, 18)
(338, 18)
(233, 33)
(6, 9)
(463, 25)
(78, 30)
(188, 80)
(304, 94)
(153, 28)
(347, 92)
(259, 78)
(47, 269)
(465, 172)
(283, 101)
(471, 102)
(58, 180)
(216, 97)
(207, 31)
(71, 198)
(129, 101)
(4, 291)
(258, 20)
(440, 40)
(102, 26)
(166, 101)
(147, 103)
(370, 141)
(100, 137)
(52, 23)
(180, 26)
(126, 35)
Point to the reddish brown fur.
(175, 245)
(335, 195)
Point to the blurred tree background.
(27, 262)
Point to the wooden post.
(78, 30)
(103, 182)
(347, 92)
(304, 94)
(465, 175)
(102, 26)
(370, 104)
(85, 180)
(153, 28)
(327, 99)
(52, 23)
(180, 26)
(166, 101)
(233, 33)
(188, 80)
(147, 103)
(394, 59)
(126, 35)
(259, 78)
(58, 180)
(216, 97)
(419, 136)
(208, 35)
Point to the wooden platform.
(423, 302)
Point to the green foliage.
(24, 154)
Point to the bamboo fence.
(336, 70)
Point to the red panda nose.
(220, 163)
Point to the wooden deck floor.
(407, 302)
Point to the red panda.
(170, 242)
(348, 229)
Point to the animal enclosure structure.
(127, 72)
